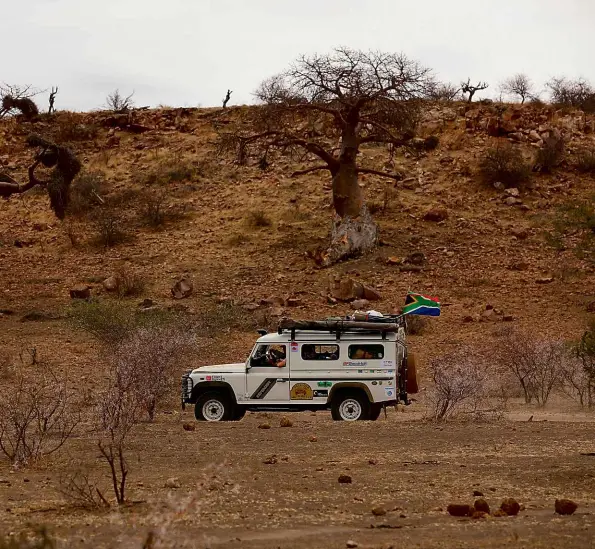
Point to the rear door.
(267, 377)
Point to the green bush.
(85, 193)
(504, 164)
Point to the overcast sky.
(188, 52)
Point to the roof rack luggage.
(338, 326)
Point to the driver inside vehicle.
(277, 356)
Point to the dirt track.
(410, 468)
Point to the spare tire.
(412, 379)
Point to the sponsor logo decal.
(355, 363)
(209, 378)
(294, 347)
(390, 392)
(319, 393)
(264, 388)
(388, 364)
(301, 391)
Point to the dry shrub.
(145, 363)
(461, 384)
(550, 154)
(108, 228)
(86, 193)
(574, 228)
(119, 103)
(81, 489)
(129, 283)
(172, 171)
(504, 164)
(39, 538)
(536, 363)
(585, 160)
(71, 129)
(37, 415)
(155, 212)
(257, 219)
(416, 325)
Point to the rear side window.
(366, 352)
(320, 352)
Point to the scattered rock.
(499, 513)
(293, 302)
(410, 269)
(436, 214)
(172, 483)
(479, 515)
(521, 234)
(264, 426)
(189, 427)
(373, 462)
(379, 511)
(80, 291)
(147, 304)
(371, 294)
(544, 280)
(477, 494)
(513, 191)
(392, 260)
(467, 319)
(361, 304)
(313, 438)
(508, 318)
(344, 479)
(271, 460)
(518, 266)
(182, 289)
(510, 201)
(591, 307)
(286, 422)
(498, 185)
(351, 544)
(416, 258)
(482, 506)
(459, 510)
(565, 507)
(110, 284)
(511, 507)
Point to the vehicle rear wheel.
(412, 379)
(352, 406)
(213, 406)
(375, 411)
(239, 413)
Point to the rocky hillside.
(154, 181)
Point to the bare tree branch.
(395, 176)
(310, 170)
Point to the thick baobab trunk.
(354, 231)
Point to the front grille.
(186, 387)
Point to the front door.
(267, 378)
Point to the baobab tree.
(357, 97)
(467, 87)
(520, 85)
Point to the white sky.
(188, 52)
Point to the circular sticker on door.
(301, 391)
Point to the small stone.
(264, 426)
(498, 185)
(510, 201)
(508, 318)
(189, 427)
(467, 319)
(482, 505)
(513, 191)
(459, 510)
(182, 289)
(271, 460)
(518, 266)
(392, 260)
(544, 280)
(313, 438)
(80, 291)
(510, 506)
(373, 462)
(286, 422)
(110, 284)
(477, 494)
(345, 479)
(436, 215)
(565, 507)
(499, 513)
(521, 234)
(379, 511)
(478, 515)
(351, 544)
(416, 258)
(172, 483)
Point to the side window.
(269, 355)
(320, 352)
(366, 352)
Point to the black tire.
(360, 406)
(375, 411)
(221, 409)
(412, 379)
(239, 413)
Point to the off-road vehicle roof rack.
(368, 325)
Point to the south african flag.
(418, 304)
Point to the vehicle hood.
(238, 368)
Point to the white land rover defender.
(352, 367)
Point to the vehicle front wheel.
(350, 407)
(213, 406)
(375, 411)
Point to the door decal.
(301, 391)
(264, 388)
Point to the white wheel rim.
(350, 410)
(213, 410)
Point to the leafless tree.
(18, 99)
(572, 93)
(118, 103)
(444, 91)
(38, 415)
(467, 87)
(227, 98)
(118, 412)
(520, 85)
(81, 489)
(145, 363)
(52, 100)
(350, 96)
